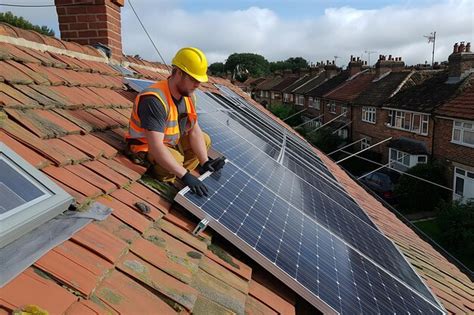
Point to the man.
(163, 126)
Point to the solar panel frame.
(217, 220)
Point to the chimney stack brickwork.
(384, 65)
(461, 61)
(89, 22)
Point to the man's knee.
(207, 140)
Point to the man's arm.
(196, 140)
(160, 153)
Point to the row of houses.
(429, 114)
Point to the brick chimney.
(354, 66)
(386, 64)
(90, 22)
(461, 62)
(331, 70)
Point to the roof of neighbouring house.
(65, 110)
(351, 88)
(316, 80)
(269, 83)
(380, 90)
(461, 106)
(329, 85)
(287, 81)
(427, 95)
(409, 146)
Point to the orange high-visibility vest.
(160, 90)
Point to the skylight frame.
(26, 217)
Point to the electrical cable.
(149, 37)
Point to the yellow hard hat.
(192, 61)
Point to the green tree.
(217, 68)
(456, 222)
(417, 196)
(292, 63)
(324, 139)
(20, 22)
(255, 64)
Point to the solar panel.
(138, 84)
(335, 258)
(313, 261)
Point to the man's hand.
(212, 165)
(196, 186)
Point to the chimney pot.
(333, 62)
(468, 47)
(461, 47)
(327, 61)
(455, 48)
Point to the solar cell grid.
(302, 250)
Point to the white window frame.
(332, 107)
(299, 99)
(272, 95)
(400, 158)
(314, 103)
(26, 217)
(286, 97)
(365, 143)
(344, 110)
(262, 93)
(461, 126)
(369, 114)
(406, 120)
(464, 176)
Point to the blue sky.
(279, 29)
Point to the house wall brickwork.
(379, 131)
(99, 22)
(445, 149)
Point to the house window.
(332, 107)
(273, 95)
(402, 160)
(344, 110)
(314, 103)
(368, 114)
(463, 184)
(28, 198)
(410, 121)
(463, 133)
(267, 94)
(261, 93)
(365, 143)
(299, 99)
(286, 97)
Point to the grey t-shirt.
(153, 115)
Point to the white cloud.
(342, 31)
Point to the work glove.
(194, 184)
(212, 165)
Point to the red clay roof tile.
(80, 308)
(118, 228)
(90, 145)
(126, 296)
(75, 266)
(13, 75)
(69, 61)
(270, 298)
(58, 120)
(157, 256)
(73, 155)
(79, 198)
(121, 168)
(31, 289)
(149, 196)
(7, 100)
(238, 267)
(26, 119)
(53, 75)
(148, 274)
(51, 92)
(107, 172)
(35, 76)
(29, 155)
(183, 236)
(101, 242)
(67, 178)
(116, 116)
(46, 102)
(23, 100)
(30, 35)
(93, 178)
(223, 274)
(88, 119)
(43, 57)
(255, 307)
(114, 137)
(109, 122)
(9, 51)
(130, 199)
(127, 214)
(7, 30)
(129, 164)
(35, 143)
